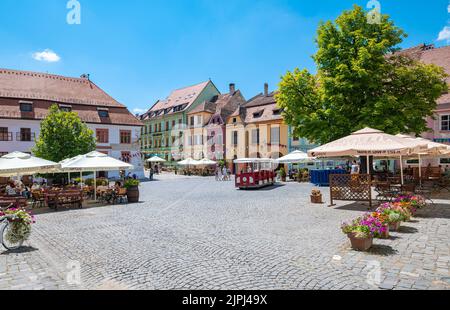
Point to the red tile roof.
(182, 98)
(431, 55)
(43, 86)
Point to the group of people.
(223, 174)
(18, 188)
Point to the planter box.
(394, 226)
(316, 199)
(360, 244)
(385, 235)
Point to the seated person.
(35, 186)
(11, 189)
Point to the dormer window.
(258, 114)
(103, 112)
(277, 111)
(65, 108)
(26, 106)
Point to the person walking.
(225, 173)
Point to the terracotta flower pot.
(385, 235)
(316, 199)
(360, 244)
(394, 226)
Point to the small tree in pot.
(283, 174)
(132, 187)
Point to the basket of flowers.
(395, 215)
(362, 230)
(20, 222)
(412, 203)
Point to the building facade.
(205, 136)
(25, 98)
(166, 121)
(440, 124)
(257, 130)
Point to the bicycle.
(6, 228)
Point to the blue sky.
(139, 50)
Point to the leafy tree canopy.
(360, 82)
(63, 135)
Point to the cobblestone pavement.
(195, 233)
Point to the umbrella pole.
(81, 180)
(368, 164)
(420, 170)
(95, 185)
(401, 169)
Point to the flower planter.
(316, 199)
(133, 194)
(385, 235)
(360, 244)
(394, 226)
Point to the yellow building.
(257, 130)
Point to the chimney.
(266, 89)
(232, 88)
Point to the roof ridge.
(186, 87)
(43, 74)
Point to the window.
(125, 137)
(445, 161)
(24, 135)
(234, 120)
(275, 135)
(102, 135)
(173, 124)
(126, 157)
(258, 114)
(103, 113)
(180, 121)
(192, 121)
(219, 139)
(26, 107)
(255, 136)
(234, 140)
(445, 122)
(277, 112)
(65, 108)
(295, 139)
(4, 134)
(167, 126)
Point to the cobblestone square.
(196, 233)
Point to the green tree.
(360, 82)
(63, 135)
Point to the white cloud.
(444, 35)
(47, 56)
(448, 8)
(139, 111)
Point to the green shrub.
(131, 183)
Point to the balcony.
(25, 136)
(6, 136)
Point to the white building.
(25, 98)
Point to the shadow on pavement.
(22, 250)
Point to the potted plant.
(132, 187)
(395, 215)
(382, 221)
(316, 196)
(283, 174)
(360, 235)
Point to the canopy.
(294, 158)
(432, 149)
(253, 160)
(189, 162)
(156, 159)
(94, 161)
(369, 142)
(207, 162)
(18, 163)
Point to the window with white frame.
(275, 135)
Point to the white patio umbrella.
(207, 162)
(433, 149)
(370, 142)
(18, 163)
(189, 162)
(93, 162)
(156, 159)
(295, 158)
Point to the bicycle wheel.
(7, 231)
